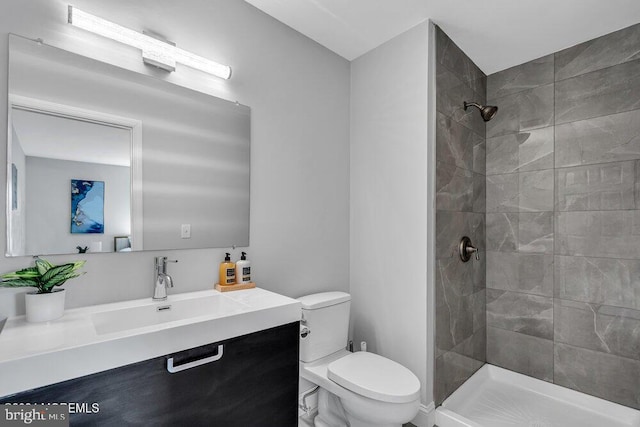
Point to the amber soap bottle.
(227, 271)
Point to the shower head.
(486, 111)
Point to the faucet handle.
(170, 260)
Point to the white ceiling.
(54, 137)
(496, 34)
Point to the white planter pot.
(44, 307)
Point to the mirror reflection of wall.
(192, 157)
(69, 149)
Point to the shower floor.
(496, 397)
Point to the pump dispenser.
(243, 269)
(227, 271)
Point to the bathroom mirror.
(103, 159)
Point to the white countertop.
(37, 354)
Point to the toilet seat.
(375, 377)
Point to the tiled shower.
(559, 227)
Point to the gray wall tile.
(605, 234)
(502, 193)
(599, 93)
(502, 232)
(603, 375)
(451, 226)
(453, 58)
(521, 77)
(602, 52)
(526, 354)
(451, 94)
(523, 111)
(519, 312)
(460, 188)
(479, 157)
(452, 370)
(526, 151)
(602, 139)
(536, 191)
(535, 232)
(606, 186)
(529, 273)
(455, 144)
(597, 327)
(454, 188)
(598, 280)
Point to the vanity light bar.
(154, 51)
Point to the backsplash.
(563, 225)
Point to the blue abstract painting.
(87, 206)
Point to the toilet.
(355, 389)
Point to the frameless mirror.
(103, 159)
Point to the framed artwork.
(121, 244)
(87, 206)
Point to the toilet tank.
(327, 316)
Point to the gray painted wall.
(460, 206)
(299, 95)
(563, 218)
(48, 204)
(389, 202)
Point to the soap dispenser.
(227, 271)
(243, 269)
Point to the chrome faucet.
(162, 279)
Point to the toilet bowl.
(356, 389)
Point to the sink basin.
(156, 313)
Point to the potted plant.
(46, 303)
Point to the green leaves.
(44, 276)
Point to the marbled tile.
(451, 226)
(479, 200)
(454, 319)
(454, 188)
(529, 273)
(612, 330)
(535, 232)
(522, 111)
(451, 92)
(502, 193)
(598, 140)
(599, 93)
(611, 49)
(598, 280)
(526, 354)
(502, 232)
(603, 375)
(451, 371)
(455, 144)
(459, 278)
(529, 75)
(526, 151)
(519, 312)
(536, 191)
(480, 158)
(460, 302)
(452, 57)
(605, 186)
(603, 234)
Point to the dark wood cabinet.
(254, 383)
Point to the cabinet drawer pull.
(173, 369)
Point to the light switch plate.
(185, 231)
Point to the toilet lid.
(375, 377)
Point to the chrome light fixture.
(154, 51)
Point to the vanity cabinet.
(254, 383)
